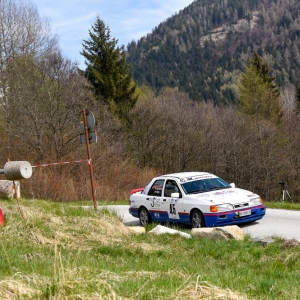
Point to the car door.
(169, 204)
(154, 201)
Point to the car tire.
(197, 219)
(144, 216)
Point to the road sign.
(90, 120)
(92, 137)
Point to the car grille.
(241, 205)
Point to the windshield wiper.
(209, 189)
(196, 192)
(215, 188)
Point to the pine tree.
(259, 95)
(263, 71)
(108, 71)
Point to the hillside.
(61, 251)
(204, 48)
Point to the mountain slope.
(204, 48)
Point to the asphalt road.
(277, 222)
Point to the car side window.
(171, 187)
(156, 188)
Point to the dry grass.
(83, 234)
(72, 182)
(75, 232)
(20, 287)
(205, 290)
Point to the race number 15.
(172, 209)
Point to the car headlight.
(224, 207)
(255, 201)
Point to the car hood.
(232, 196)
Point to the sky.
(127, 20)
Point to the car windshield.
(204, 185)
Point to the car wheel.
(144, 216)
(197, 219)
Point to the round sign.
(90, 120)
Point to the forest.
(249, 138)
(203, 50)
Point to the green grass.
(283, 205)
(61, 251)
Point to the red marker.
(1, 218)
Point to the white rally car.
(197, 198)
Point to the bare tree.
(22, 32)
(45, 99)
(287, 98)
(166, 132)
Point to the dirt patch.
(219, 33)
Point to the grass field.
(60, 251)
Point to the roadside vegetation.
(252, 142)
(62, 251)
(282, 205)
(55, 249)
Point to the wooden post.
(86, 130)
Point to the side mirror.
(232, 185)
(176, 195)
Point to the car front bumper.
(234, 217)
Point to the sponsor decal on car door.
(155, 201)
(157, 207)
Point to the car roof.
(182, 175)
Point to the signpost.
(15, 170)
(87, 123)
